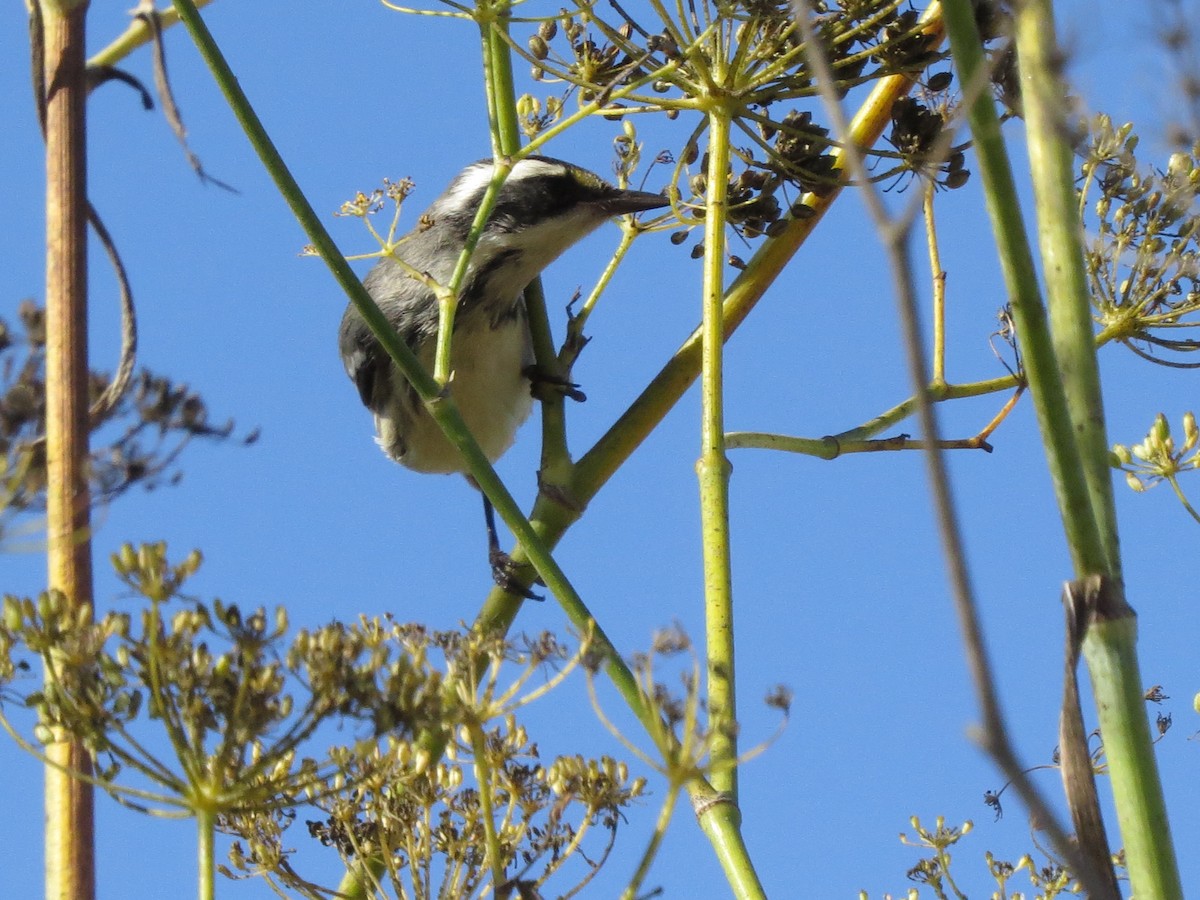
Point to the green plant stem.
(1061, 243)
(1110, 651)
(665, 815)
(1090, 532)
(938, 275)
(205, 854)
(721, 823)
(576, 325)
(1041, 368)
(447, 294)
(505, 142)
(498, 85)
(1110, 645)
(1191, 510)
(713, 469)
(505, 130)
(483, 781)
(1020, 277)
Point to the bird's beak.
(623, 202)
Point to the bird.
(542, 208)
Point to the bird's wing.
(366, 362)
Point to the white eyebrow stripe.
(532, 168)
(470, 183)
(473, 180)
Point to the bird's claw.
(504, 573)
(541, 380)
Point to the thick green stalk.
(1074, 465)
(1110, 649)
(712, 468)
(205, 854)
(1110, 645)
(1020, 277)
(1060, 238)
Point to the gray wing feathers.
(365, 362)
(405, 302)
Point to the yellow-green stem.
(665, 814)
(506, 140)
(447, 294)
(503, 127)
(832, 448)
(137, 34)
(712, 468)
(1110, 649)
(205, 859)
(584, 311)
(1182, 497)
(1020, 277)
(498, 85)
(1110, 645)
(1060, 232)
(483, 782)
(938, 375)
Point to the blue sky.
(839, 584)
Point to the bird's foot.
(542, 381)
(504, 573)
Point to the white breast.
(488, 387)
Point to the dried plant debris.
(139, 442)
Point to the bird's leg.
(503, 568)
(541, 381)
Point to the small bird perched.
(543, 207)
